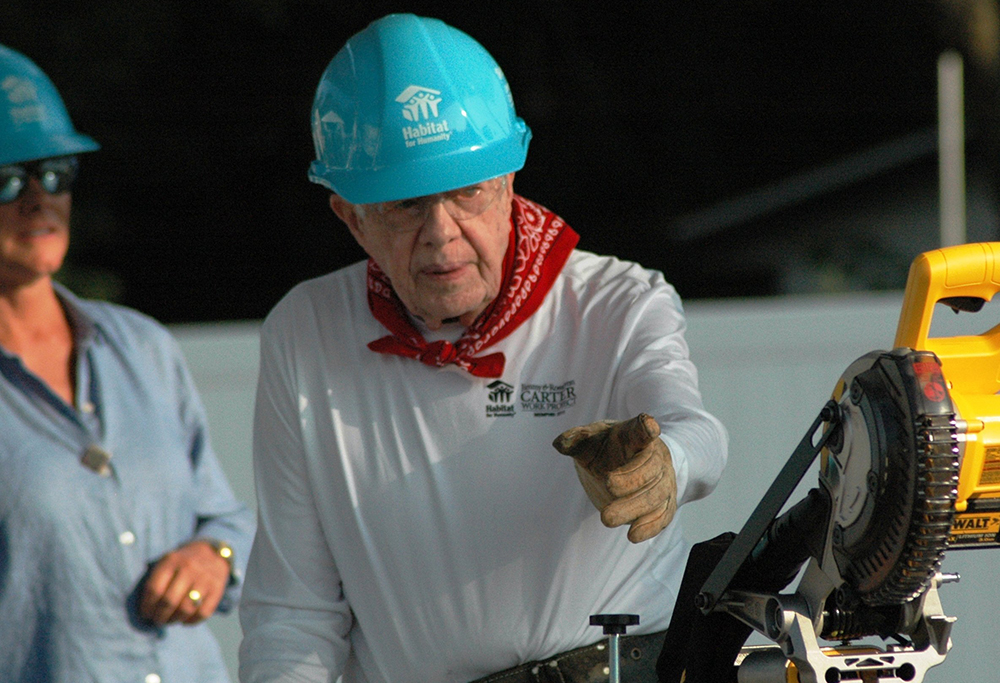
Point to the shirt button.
(153, 678)
(87, 407)
(128, 538)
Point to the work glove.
(627, 472)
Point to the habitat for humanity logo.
(23, 98)
(420, 106)
(500, 396)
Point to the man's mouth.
(444, 270)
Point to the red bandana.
(540, 244)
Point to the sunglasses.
(55, 175)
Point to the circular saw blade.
(892, 474)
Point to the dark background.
(647, 120)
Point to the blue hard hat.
(34, 123)
(409, 107)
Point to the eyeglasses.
(55, 175)
(462, 204)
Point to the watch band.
(226, 552)
(222, 549)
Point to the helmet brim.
(34, 148)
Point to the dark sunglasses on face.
(55, 175)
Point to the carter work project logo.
(547, 399)
(500, 399)
(420, 106)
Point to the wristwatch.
(225, 551)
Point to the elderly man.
(415, 522)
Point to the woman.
(119, 534)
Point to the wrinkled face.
(443, 258)
(34, 235)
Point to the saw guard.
(892, 476)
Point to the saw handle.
(961, 276)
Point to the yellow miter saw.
(909, 468)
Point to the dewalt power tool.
(908, 448)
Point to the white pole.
(951, 148)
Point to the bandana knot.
(540, 244)
(439, 353)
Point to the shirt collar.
(85, 328)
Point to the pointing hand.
(627, 472)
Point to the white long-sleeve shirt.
(416, 524)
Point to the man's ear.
(348, 213)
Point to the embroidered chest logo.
(500, 399)
(540, 400)
(420, 107)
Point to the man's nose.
(439, 228)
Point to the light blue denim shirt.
(75, 544)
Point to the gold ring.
(195, 596)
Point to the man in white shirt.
(415, 521)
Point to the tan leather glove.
(627, 472)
